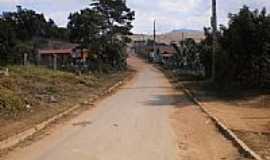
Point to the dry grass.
(34, 85)
(245, 111)
(32, 94)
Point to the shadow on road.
(176, 100)
(145, 87)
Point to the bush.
(243, 56)
(244, 48)
(10, 103)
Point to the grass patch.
(10, 102)
(33, 85)
(31, 94)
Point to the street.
(144, 120)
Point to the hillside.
(178, 36)
(175, 35)
(31, 94)
(185, 30)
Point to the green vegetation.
(245, 48)
(103, 28)
(31, 94)
(243, 56)
(10, 102)
(35, 86)
(187, 54)
(26, 86)
(21, 32)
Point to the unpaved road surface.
(145, 120)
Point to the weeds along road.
(144, 120)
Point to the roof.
(52, 44)
(167, 55)
(167, 49)
(55, 51)
(60, 51)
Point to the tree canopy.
(244, 47)
(103, 28)
(18, 29)
(243, 55)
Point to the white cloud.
(9, 1)
(170, 14)
(178, 5)
(193, 14)
(60, 17)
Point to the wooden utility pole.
(154, 33)
(152, 55)
(215, 43)
(154, 36)
(183, 36)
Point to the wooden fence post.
(55, 62)
(25, 59)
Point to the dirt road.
(136, 123)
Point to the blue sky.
(170, 14)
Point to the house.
(158, 53)
(62, 57)
(167, 54)
(164, 54)
(138, 46)
(143, 49)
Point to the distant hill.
(179, 35)
(174, 36)
(186, 30)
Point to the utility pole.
(154, 32)
(154, 36)
(183, 36)
(215, 43)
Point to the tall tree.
(104, 28)
(85, 27)
(7, 40)
(116, 15)
(18, 30)
(245, 47)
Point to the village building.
(138, 46)
(167, 54)
(159, 53)
(62, 57)
(163, 54)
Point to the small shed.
(165, 54)
(61, 57)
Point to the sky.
(169, 14)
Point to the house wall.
(63, 60)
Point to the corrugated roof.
(55, 51)
(167, 49)
(52, 44)
(167, 55)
